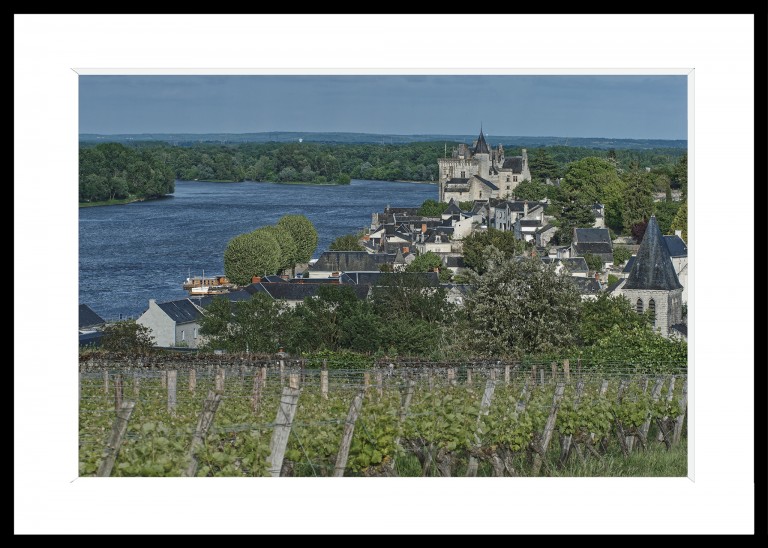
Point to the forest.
(146, 169)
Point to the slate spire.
(653, 268)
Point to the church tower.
(652, 283)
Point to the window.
(507, 185)
(639, 306)
(507, 179)
(182, 335)
(463, 176)
(514, 179)
(194, 333)
(652, 310)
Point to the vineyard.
(282, 418)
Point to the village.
(477, 190)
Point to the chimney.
(405, 250)
(423, 227)
(525, 208)
(679, 234)
(256, 280)
(597, 277)
(152, 302)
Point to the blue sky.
(635, 107)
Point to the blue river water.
(135, 252)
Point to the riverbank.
(122, 201)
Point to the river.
(135, 252)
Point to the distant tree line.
(112, 171)
(339, 163)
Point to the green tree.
(127, 337)
(520, 307)
(600, 316)
(432, 208)
(587, 181)
(288, 248)
(680, 176)
(260, 324)
(533, 191)
(680, 222)
(543, 166)
(426, 262)
(639, 347)
(665, 213)
(255, 253)
(475, 245)
(621, 254)
(638, 199)
(347, 242)
(304, 234)
(594, 262)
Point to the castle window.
(652, 310)
(507, 179)
(507, 185)
(639, 306)
(514, 179)
(463, 174)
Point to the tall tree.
(680, 221)
(587, 181)
(475, 245)
(638, 198)
(304, 234)
(255, 253)
(520, 306)
(543, 166)
(288, 248)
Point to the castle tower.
(482, 153)
(652, 283)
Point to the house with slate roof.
(173, 323)
(595, 241)
(333, 263)
(480, 172)
(652, 283)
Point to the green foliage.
(340, 359)
(466, 206)
(432, 208)
(536, 191)
(127, 337)
(587, 181)
(621, 254)
(304, 234)
(637, 205)
(665, 214)
(542, 166)
(612, 279)
(112, 171)
(520, 306)
(680, 176)
(288, 249)
(680, 222)
(594, 262)
(260, 324)
(255, 253)
(600, 316)
(639, 346)
(426, 262)
(347, 242)
(476, 244)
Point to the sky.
(630, 107)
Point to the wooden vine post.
(171, 392)
(346, 437)
(119, 427)
(204, 422)
(485, 405)
(549, 428)
(286, 410)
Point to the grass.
(656, 462)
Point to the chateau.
(479, 172)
